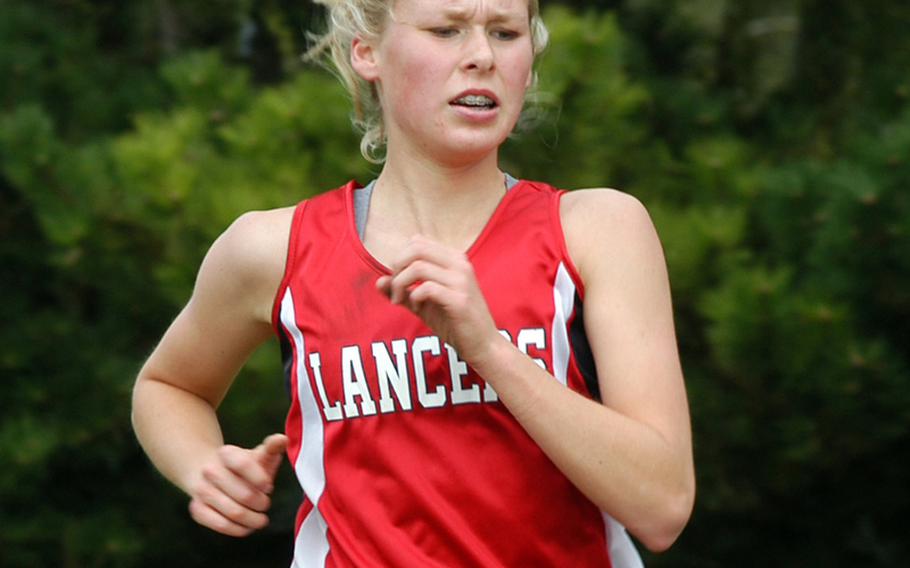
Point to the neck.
(447, 202)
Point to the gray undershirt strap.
(363, 195)
(510, 181)
(362, 206)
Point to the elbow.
(149, 397)
(669, 523)
(138, 401)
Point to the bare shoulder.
(258, 240)
(231, 301)
(607, 227)
(247, 261)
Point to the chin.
(472, 146)
(466, 152)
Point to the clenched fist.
(233, 490)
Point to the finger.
(433, 292)
(383, 284)
(206, 516)
(416, 273)
(270, 453)
(423, 248)
(244, 464)
(237, 489)
(275, 444)
(229, 509)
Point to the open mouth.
(479, 102)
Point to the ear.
(364, 60)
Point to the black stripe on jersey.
(287, 359)
(578, 339)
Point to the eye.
(444, 32)
(504, 34)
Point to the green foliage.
(51, 54)
(115, 230)
(582, 78)
(769, 140)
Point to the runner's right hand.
(232, 492)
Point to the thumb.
(275, 444)
(271, 451)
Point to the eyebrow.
(462, 13)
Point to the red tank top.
(405, 456)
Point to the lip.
(479, 116)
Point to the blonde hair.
(367, 19)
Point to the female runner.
(483, 371)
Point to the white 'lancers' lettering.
(392, 374)
(355, 384)
(458, 369)
(536, 337)
(331, 412)
(427, 399)
(393, 381)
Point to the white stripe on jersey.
(622, 551)
(311, 546)
(563, 302)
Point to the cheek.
(518, 76)
(416, 83)
(515, 62)
(521, 64)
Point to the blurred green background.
(769, 140)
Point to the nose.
(479, 54)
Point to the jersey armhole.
(293, 238)
(560, 235)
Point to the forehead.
(464, 8)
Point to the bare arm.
(188, 374)
(631, 455)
